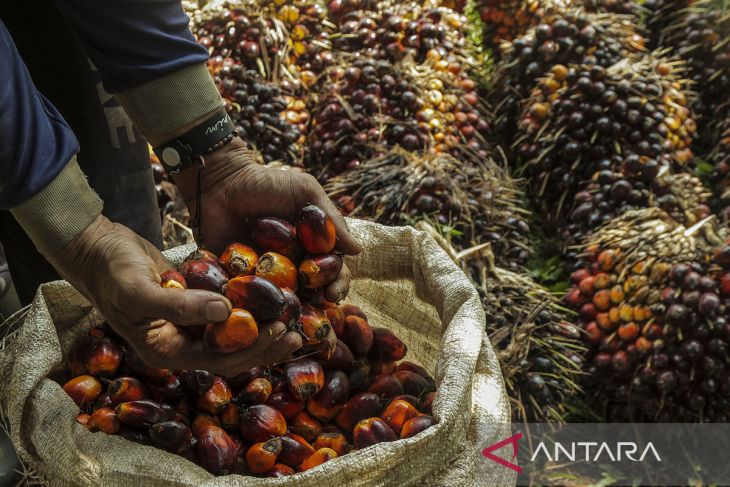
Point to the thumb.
(185, 307)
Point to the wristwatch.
(207, 137)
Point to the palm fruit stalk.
(659, 15)
(632, 118)
(651, 295)
(475, 202)
(623, 7)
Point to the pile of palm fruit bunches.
(572, 156)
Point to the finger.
(337, 291)
(183, 307)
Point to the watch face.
(171, 157)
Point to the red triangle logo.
(488, 452)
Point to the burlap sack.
(403, 281)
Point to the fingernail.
(216, 311)
(278, 330)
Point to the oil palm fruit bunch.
(505, 20)
(632, 117)
(560, 39)
(651, 300)
(267, 120)
(474, 201)
(701, 37)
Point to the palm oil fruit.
(204, 274)
(313, 326)
(320, 270)
(397, 413)
(203, 421)
(326, 404)
(238, 260)
(412, 383)
(341, 359)
(171, 436)
(306, 426)
(286, 404)
(103, 358)
(371, 431)
(386, 386)
(334, 440)
(415, 425)
(304, 378)
(216, 399)
(336, 316)
(237, 332)
(140, 414)
(275, 235)
(83, 389)
(362, 406)
(292, 310)
(260, 422)
(256, 392)
(277, 269)
(231, 418)
(216, 452)
(412, 367)
(281, 470)
(315, 230)
(105, 420)
(261, 457)
(172, 279)
(358, 335)
(197, 381)
(386, 346)
(124, 389)
(295, 449)
(256, 295)
(318, 458)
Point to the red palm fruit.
(603, 320)
(140, 414)
(304, 378)
(332, 398)
(336, 317)
(341, 359)
(371, 431)
(412, 400)
(197, 381)
(138, 368)
(725, 284)
(313, 325)
(397, 413)
(602, 281)
(306, 425)
(241, 445)
(275, 235)
(359, 376)
(202, 254)
(413, 367)
(83, 389)
(215, 399)
(277, 269)
(413, 383)
(105, 420)
(588, 312)
(204, 274)
(594, 334)
(77, 356)
(172, 391)
(427, 402)
(216, 452)
(318, 458)
(203, 422)
(286, 404)
(358, 335)
(239, 331)
(574, 298)
(103, 401)
(103, 357)
(387, 386)
(238, 382)
(261, 457)
(171, 436)
(132, 434)
(258, 296)
(280, 470)
(579, 275)
(320, 270)
(352, 310)
(333, 440)
(292, 310)
(362, 406)
(386, 346)
(172, 279)
(379, 367)
(83, 419)
(586, 286)
(256, 392)
(261, 422)
(295, 449)
(238, 260)
(415, 425)
(602, 300)
(316, 230)
(628, 332)
(231, 418)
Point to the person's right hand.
(119, 272)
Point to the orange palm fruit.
(332, 398)
(216, 452)
(172, 279)
(341, 359)
(333, 440)
(336, 317)
(280, 470)
(103, 357)
(295, 449)
(397, 413)
(306, 426)
(216, 399)
(304, 378)
(231, 418)
(277, 269)
(239, 331)
(602, 300)
(83, 419)
(105, 420)
(171, 436)
(386, 346)
(415, 425)
(140, 414)
(313, 325)
(123, 389)
(83, 389)
(320, 270)
(256, 392)
(204, 421)
(257, 295)
(315, 230)
(628, 332)
(352, 310)
(261, 457)
(261, 422)
(286, 404)
(371, 431)
(386, 386)
(275, 235)
(318, 458)
(413, 383)
(361, 406)
(292, 310)
(358, 335)
(238, 260)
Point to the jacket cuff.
(60, 211)
(173, 101)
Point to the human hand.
(119, 272)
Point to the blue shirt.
(130, 41)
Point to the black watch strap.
(208, 136)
